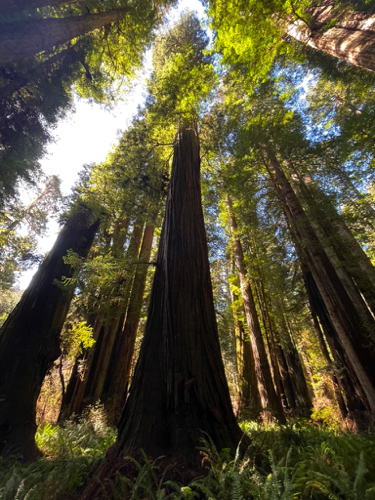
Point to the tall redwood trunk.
(327, 358)
(302, 397)
(249, 404)
(351, 37)
(112, 326)
(29, 339)
(8, 5)
(86, 385)
(23, 39)
(267, 391)
(179, 390)
(346, 321)
(355, 399)
(350, 258)
(118, 377)
(344, 378)
(179, 387)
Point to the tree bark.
(355, 399)
(327, 359)
(267, 391)
(302, 398)
(352, 334)
(349, 259)
(118, 378)
(24, 39)
(29, 339)
(351, 37)
(9, 5)
(249, 397)
(89, 383)
(179, 388)
(112, 327)
(180, 377)
(73, 402)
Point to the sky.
(88, 134)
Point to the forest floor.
(296, 461)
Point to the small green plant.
(71, 454)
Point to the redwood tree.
(179, 390)
(29, 339)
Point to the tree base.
(116, 473)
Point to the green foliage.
(36, 92)
(183, 75)
(76, 339)
(294, 462)
(249, 34)
(72, 452)
(21, 223)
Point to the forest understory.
(300, 460)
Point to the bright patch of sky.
(89, 133)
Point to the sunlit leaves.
(249, 35)
(183, 76)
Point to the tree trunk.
(269, 333)
(290, 362)
(356, 401)
(302, 398)
(25, 39)
(346, 380)
(9, 5)
(327, 358)
(179, 389)
(73, 403)
(29, 339)
(249, 397)
(118, 377)
(348, 257)
(352, 334)
(107, 326)
(266, 388)
(113, 326)
(350, 38)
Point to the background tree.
(29, 339)
(39, 89)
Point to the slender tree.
(118, 376)
(267, 391)
(347, 322)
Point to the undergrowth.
(293, 462)
(71, 454)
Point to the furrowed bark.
(24, 39)
(350, 38)
(249, 397)
(89, 383)
(180, 373)
(118, 378)
(267, 391)
(347, 323)
(179, 388)
(29, 339)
